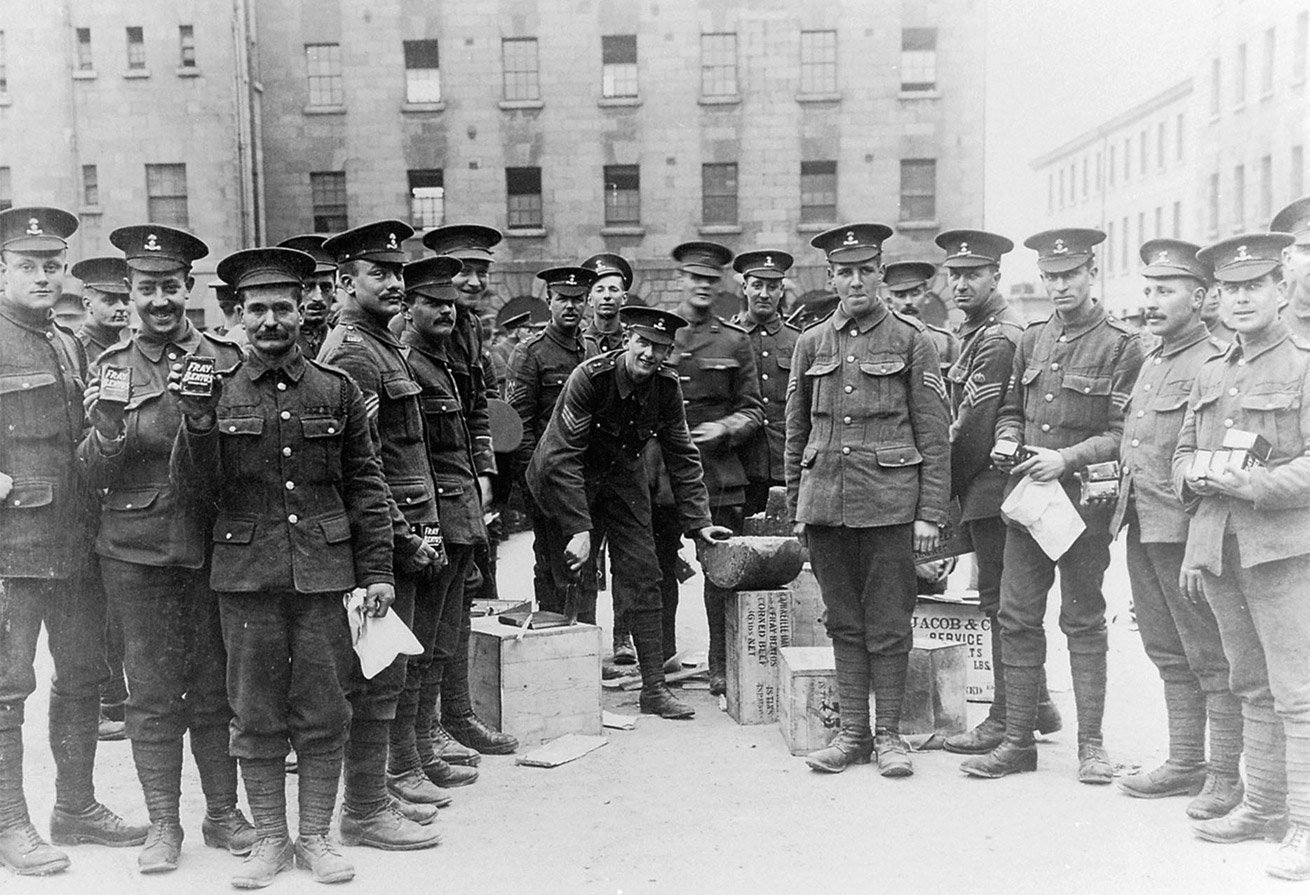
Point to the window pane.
(619, 49)
(1239, 194)
(90, 185)
(919, 59)
(622, 194)
(523, 186)
(1299, 47)
(719, 194)
(818, 61)
(619, 65)
(421, 54)
(328, 196)
(422, 72)
(166, 199)
(427, 198)
(519, 60)
(918, 189)
(818, 192)
(323, 65)
(186, 36)
(136, 48)
(84, 61)
(718, 64)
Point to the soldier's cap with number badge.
(1294, 219)
(902, 276)
(156, 248)
(431, 277)
(1240, 259)
(570, 281)
(1165, 258)
(767, 264)
(973, 248)
(379, 241)
(467, 242)
(266, 266)
(514, 321)
(223, 293)
(655, 324)
(1060, 251)
(852, 243)
(36, 228)
(608, 264)
(705, 259)
(106, 274)
(312, 244)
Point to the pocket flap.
(903, 455)
(449, 487)
(409, 492)
(320, 426)
(25, 495)
(1169, 403)
(440, 405)
(1205, 401)
(234, 531)
(1029, 374)
(554, 379)
(335, 529)
(822, 368)
(883, 367)
(399, 387)
(242, 425)
(807, 458)
(1086, 385)
(23, 382)
(1271, 401)
(784, 361)
(718, 363)
(130, 499)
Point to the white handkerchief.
(1046, 511)
(377, 641)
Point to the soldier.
(773, 341)
(588, 470)
(370, 270)
(907, 285)
(1295, 219)
(108, 309)
(1212, 317)
(1072, 375)
(1180, 636)
(282, 449)
(538, 370)
(608, 294)
(867, 486)
(716, 366)
(1248, 545)
(43, 506)
(152, 545)
(978, 380)
(460, 731)
(319, 293)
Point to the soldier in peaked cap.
(152, 545)
(977, 383)
(867, 465)
(907, 282)
(1071, 377)
(1295, 219)
(320, 292)
(589, 470)
(715, 363)
(608, 294)
(43, 505)
(1247, 554)
(1181, 637)
(226, 299)
(105, 297)
(370, 270)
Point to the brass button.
(850, 358)
(1064, 338)
(332, 430)
(764, 376)
(1050, 397)
(1145, 388)
(1242, 362)
(281, 386)
(1046, 427)
(1136, 442)
(1228, 424)
(845, 450)
(291, 486)
(286, 414)
(849, 389)
(286, 452)
(1232, 391)
(855, 332)
(846, 420)
(764, 353)
(293, 518)
(1141, 413)
(766, 400)
(1158, 361)
(228, 536)
(172, 355)
(1055, 366)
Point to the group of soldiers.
(218, 512)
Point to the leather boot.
(471, 731)
(267, 859)
(1017, 753)
(159, 769)
(420, 814)
(1219, 795)
(987, 735)
(448, 776)
(224, 826)
(1292, 859)
(656, 699)
(715, 607)
(1184, 773)
(435, 770)
(624, 650)
(854, 742)
(386, 829)
(163, 847)
(320, 857)
(265, 781)
(1223, 789)
(451, 750)
(22, 849)
(1262, 813)
(1089, 678)
(1048, 716)
(77, 817)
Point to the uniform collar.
(1271, 337)
(37, 321)
(292, 365)
(987, 314)
(840, 318)
(421, 342)
(593, 330)
(153, 347)
(1089, 320)
(101, 335)
(750, 324)
(1188, 338)
(360, 319)
(623, 379)
(564, 340)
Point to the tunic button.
(1228, 424)
(293, 518)
(1064, 338)
(764, 354)
(1050, 397)
(845, 450)
(850, 358)
(281, 386)
(766, 400)
(286, 414)
(1046, 427)
(441, 490)
(1232, 391)
(286, 452)
(231, 428)
(1055, 366)
(1087, 389)
(332, 430)
(228, 536)
(1141, 413)
(1242, 362)
(846, 420)
(172, 355)
(128, 505)
(855, 332)
(1158, 361)
(849, 389)
(1147, 387)
(764, 376)
(291, 486)
(1136, 442)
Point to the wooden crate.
(953, 618)
(537, 688)
(758, 625)
(807, 698)
(807, 612)
(935, 688)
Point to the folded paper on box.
(1047, 512)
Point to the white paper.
(377, 641)
(1046, 511)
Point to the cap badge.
(659, 324)
(1162, 257)
(768, 260)
(964, 249)
(1060, 248)
(850, 239)
(152, 243)
(1242, 254)
(391, 242)
(572, 280)
(34, 227)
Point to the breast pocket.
(883, 391)
(552, 383)
(823, 379)
(400, 416)
(442, 414)
(1085, 402)
(321, 447)
(714, 379)
(32, 407)
(1276, 416)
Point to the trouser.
(866, 577)
(288, 660)
(716, 598)
(988, 539)
(113, 698)
(552, 595)
(1263, 613)
(375, 698)
(667, 530)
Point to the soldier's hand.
(711, 533)
(927, 536)
(484, 488)
(1235, 482)
(200, 412)
(709, 434)
(1192, 585)
(1045, 465)
(106, 416)
(6, 485)
(420, 560)
(1202, 486)
(378, 599)
(578, 550)
(798, 529)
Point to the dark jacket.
(538, 369)
(96, 340)
(773, 344)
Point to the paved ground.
(707, 806)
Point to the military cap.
(655, 324)
(431, 277)
(156, 247)
(463, 241)
(707, 259)
(608, 264)
(1250, 256)
(767, 264)
(379, 241)
(972, 248)
(266, 266)
(902, 276)
(1294, 219)
(1059, 251)
(1173, 258)
(514, 321)
(569, 281)
(223, 293)
(103, 274)
(852, 243)
(312, 244)
(36, 228)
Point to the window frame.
(329, 201)
(619, 77)
(622, 204)
(520, 84)
(819, 182)
(422, 82)
(818, 61)
(919, 71)
(719, 76)
(323, 76)
(166, 188)
(714, 193)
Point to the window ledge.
(90, 209)
(136, 73)
(818, 97)
(916, 225)
(719, 229)
(84, 74)
(815, 227)
(524, 232)
(439, 106)
(919, 94)
(623, 230)
(618, 102)
(325, 110)
(188, 71)
(514, 105)
(728, 100)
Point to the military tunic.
(773, 343)
(598, 342)
(96, 340)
